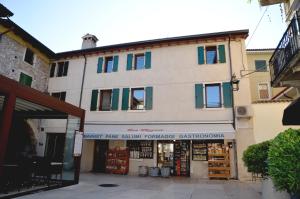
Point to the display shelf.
(218, 161)
(199, 151)
(117, 161)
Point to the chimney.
(89, 41)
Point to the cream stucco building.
(170, 92)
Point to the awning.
(159, 131)
(291, 113)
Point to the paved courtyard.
(134, 187)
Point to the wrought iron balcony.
(285, 61)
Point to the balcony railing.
(287, 48)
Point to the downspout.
(233, 113)
(77, 159)
(82, 82)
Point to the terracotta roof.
(243, 33)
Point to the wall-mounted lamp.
(234, 83)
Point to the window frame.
(135, 61)
(33, 57)
(220, 95)
(216, 61)
(269, 90)
(106, 60)
(131, 93)
(262, 70)
(60, 95)
(100, 100)
(64, 70)
(25, 73)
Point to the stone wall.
(12, 64)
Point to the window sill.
(214, 109)
(136, 111)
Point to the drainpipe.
(233, 113)
(82, 82)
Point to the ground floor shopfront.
(195, 150)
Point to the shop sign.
(153, 136)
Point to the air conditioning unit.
(243, 111)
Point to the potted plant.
(284, 162)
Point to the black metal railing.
(287, 48)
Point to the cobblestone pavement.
(134, 187)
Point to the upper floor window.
(260, 65)
(213, 95)
(263, 91)
(108, 99)
(108, 68)
(137, 99)
(59, 69)
(108, 64)
(211, 54)
(105, 100)
(141, 61)
(29, 56)
(60, 95)
(25, 79)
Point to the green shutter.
(25, 79)
(200, 55)
(125, 99)
(227, 94)
(148, 60)
(115, 99)
(129, 62)
(222, 55)
(116, 62)
(94, 100)
(199, 96)
(149, 96)
(100, 64)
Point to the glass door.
(165, 154)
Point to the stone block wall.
(12, 64)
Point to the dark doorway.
(55, 144)
(100, 152)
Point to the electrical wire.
(257, 26)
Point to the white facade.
(173, 74)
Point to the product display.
(218, 161)
(140, 149)
(199, 151)
(117, 161)
(181, 158)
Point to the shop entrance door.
(100, 152)
(165, 155)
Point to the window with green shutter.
(100, 65)
(129, 62)
(199, 96)
(125, 98)
(222, 55)
(200, 55)
(149, 98)
(227, 94)
(25, 79)
(116, 62)
(148, 60)
(94, 100)
(115, 99)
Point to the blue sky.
(60, 24)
